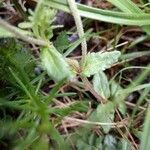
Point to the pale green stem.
(79, 25)
(15, 31)
(114, 124)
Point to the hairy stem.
(15, 31)
(79, 25)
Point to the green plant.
(37, 117)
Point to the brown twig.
(90, 88)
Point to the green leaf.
(54, 63)
(62, 42)
(114, 88)
(25, 25)
(104, 113)
(101, 85)
(43, 17)
(89, 141)
(95, 62)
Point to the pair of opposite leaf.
(59, 67)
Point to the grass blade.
(54, 91)
(129, 7)
(145, 144)
(104, 15)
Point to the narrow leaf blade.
(145, 144)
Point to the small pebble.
(73, 38)
(37, 70)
